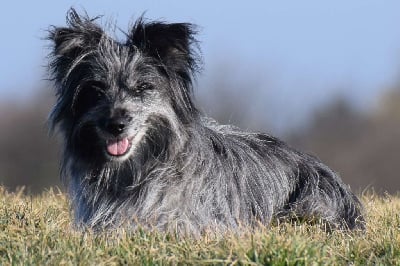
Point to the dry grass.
(36, 231)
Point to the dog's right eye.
(86, 97)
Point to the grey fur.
(182, 171)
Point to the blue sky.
(302, 53)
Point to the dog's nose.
(116, 126)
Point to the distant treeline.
(363, 147)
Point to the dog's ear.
(73, 41)
(175, 50)
(173, 44)
(71, 45)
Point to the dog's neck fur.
(114, 184)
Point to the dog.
(137, 151)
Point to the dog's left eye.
(138, 91)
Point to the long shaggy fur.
(180, 171)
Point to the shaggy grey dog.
(137, 151)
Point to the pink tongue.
(117, 147)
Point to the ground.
(36, 230)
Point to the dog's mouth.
(118, 147)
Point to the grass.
(37, 231)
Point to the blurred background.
(323, 76)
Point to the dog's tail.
(320, 193)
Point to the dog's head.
(113, 96)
